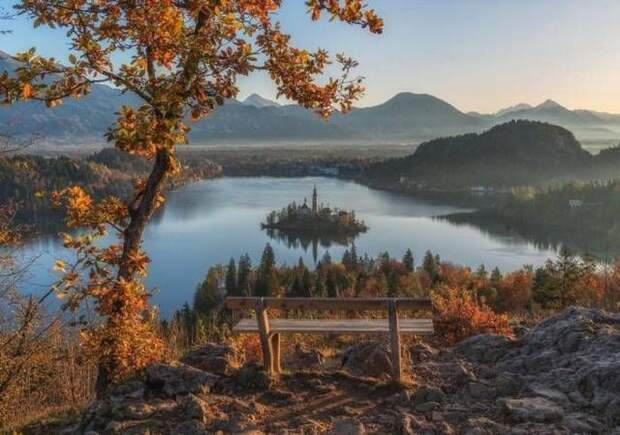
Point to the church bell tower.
(315, 201)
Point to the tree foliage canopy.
(183, 60)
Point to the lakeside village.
(316, 218)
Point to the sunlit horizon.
(477, 55)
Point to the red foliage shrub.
(458, 316)
(515, 291)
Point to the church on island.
(314, 217)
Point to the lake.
(208, 222)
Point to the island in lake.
(316, 219)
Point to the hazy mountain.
(258, 101)
(408, 116)
(515, 108)
(83, 120)
(404, 118)
(550, 111)
(514, 153)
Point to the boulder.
(427, 394)
(170, 380)
(190, 407)
(421, 352)
(347, 426)
(254, 376)
(531, 409)
(480, 391)
(367, 359)
(213, 358)
(483, 349)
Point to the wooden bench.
(270, 330)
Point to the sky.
(479, 55)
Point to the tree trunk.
(140, 215)
(132, 237)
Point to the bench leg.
(275, 349)
(263, 329)
(394, 341)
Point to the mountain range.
(406, 118)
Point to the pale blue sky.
(479, 55)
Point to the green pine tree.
(231, 279)
(207, 296)
(408, 260)
(243, 275)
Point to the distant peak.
(515, 108)
(549, 104)
(404, 96)
(258, 101)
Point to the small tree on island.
(182, 59)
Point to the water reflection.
(208, 222)
(310, 241)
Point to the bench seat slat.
(342, 326)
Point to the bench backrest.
(329, 304)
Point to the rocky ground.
(560, 377)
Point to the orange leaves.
(129, 342)
(186, 60)
(349, 11)
(459, 316)
(515, 291)
(27, 91)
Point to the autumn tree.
(182, 58)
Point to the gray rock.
(484, 349)
(508, 384)
(421, 352)
(190, 407)
(427, 407)
(170, 380)
(131, 410)
(548, 393)
(458, 373)
(191, 427)
(427, 394)
(480, 391)
(255, 377)
(213, 358)
(531, 409)
(482, 426)
(367, 359)
(128, 390)
(582, 423)
(347, 426)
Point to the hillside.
(558, 377)
(517, 152)
(404, 118)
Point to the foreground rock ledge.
(560, 377)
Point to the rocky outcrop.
(213, 358)
(171, 400)
(171, 380)
(560, 377)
